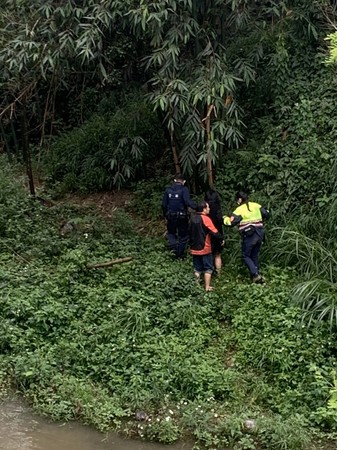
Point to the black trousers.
(177, 233)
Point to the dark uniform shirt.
(177, 199)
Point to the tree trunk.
(208, 147)
(15, 141)
(5, 140)
(175, 155)
(26, 149)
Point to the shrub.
(108, 150)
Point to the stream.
(22, 429)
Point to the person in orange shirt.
(215, 213)
(201, 230)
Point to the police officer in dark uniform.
(176, 200)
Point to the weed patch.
(98, 345)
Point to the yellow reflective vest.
(246, 215)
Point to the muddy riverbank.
(22, 429)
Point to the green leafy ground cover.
(100, 345)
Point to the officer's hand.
(227, 221)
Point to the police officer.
(249, 218)
(176, 200)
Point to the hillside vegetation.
(110, 95)
(101, 345)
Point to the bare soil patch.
(105, 202)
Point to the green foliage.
(242, 40)
(270, 338)
(318, 300)
(58, 35)
(307, 242)
(332, 40)
(295, 158)
(13, 200)
(165, 431)
(198, 60)
(100, 344)
(107, 151)
(73, 399)
(290, 164)
(148, 197)
(325, 414)
(49, 58)
(289, 433)
(97, 344)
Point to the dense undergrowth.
(234, 367)
(138, 347)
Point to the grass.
(98, 345)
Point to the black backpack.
(197, 232)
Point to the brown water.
(21, 429)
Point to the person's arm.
(211, 228)
(231, 221)
(265, 213)
(187, 199)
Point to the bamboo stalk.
(207, 122)
(175, 154)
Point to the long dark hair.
(213, 197)
(244, 198)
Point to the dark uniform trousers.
(177, 232)
(250, 250)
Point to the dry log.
(110, 263)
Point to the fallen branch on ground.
(110, 263)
